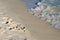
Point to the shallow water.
(30, 3)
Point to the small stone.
(7, 22)
(17, 26)
(10, 28)
(22, 28)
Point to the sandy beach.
(39, 29)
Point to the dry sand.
(39, 29)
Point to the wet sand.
(41, 30)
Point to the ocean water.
(31, 3)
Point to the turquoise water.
(31, 3)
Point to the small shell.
(10, 20)
(13, 24)
(5, 18)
